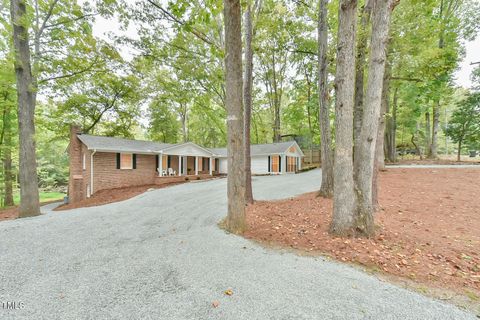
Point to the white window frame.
(122, 167)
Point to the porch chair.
(171, 172)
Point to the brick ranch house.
(100, 163)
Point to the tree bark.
(247, 99)
(385, 105)
(360, 73)
(344, 198)
(7, 159)
(379, 164)
(459, 152)
(326, 189)
(276, 103)
(427, 132)
(364, 224)
(29, 197)
(391, 128)
(433, 149)
(235, 221)
(433, 154)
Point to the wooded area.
(364, 81)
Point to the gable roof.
(263, 149)
(111, 144)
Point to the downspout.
(91, 171)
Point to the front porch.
(177, 166)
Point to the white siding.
(223, 165)
(259, 165)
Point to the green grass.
(44, 196)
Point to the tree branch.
(200, 35)
(406, 79)
(70, 20)
(68, 75)
(45, 20)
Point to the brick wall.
(107, 176)
(76, 182)
(105, 172)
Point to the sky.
(102, 27)
(472, 55)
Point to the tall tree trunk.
(433, 154)
(235, 221)
(459, 152)
(309, 114)
(183, 119)
(427, 133)
(360, 73)
(433, 149)
(344, 198)
(381, 12)
(7, 159)
(385, 105)
(29, 197)
(326, 189)
(247, 100)
(379, 164)
(276, 103)
(391, 124)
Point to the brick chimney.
(76, 179)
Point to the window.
(126, 161)
(291, 164)
(275, 164)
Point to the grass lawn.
(44, 196)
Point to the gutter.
(91, 171)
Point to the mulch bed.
(428, 228)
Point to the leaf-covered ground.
(428, 228)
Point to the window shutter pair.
(134, 161)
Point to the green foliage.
(464, 125)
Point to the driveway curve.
(161, 255)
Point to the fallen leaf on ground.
(228, 292)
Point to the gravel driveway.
(161, 255)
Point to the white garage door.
(223, 165)
(259, 165)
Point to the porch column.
(160, 164)
(179, 165)
(283, 169)
(210, 166)
(196, 165)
